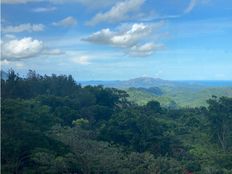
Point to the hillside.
(144, 82)
(169, 93)
(181, 97)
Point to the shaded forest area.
(50, 124)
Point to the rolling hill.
(169, 93)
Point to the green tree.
(220, 119)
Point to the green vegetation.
(50, 124)
(142, 97)
(178, 96)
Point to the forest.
(52, 124)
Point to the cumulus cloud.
(18, 49)
(23, 28)
(119, 12)
(132, 39)
(21, 49)
(101, 37)
(66, 22)
(123, 38)
(44, 9)
(144, 49)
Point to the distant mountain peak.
(145, 82)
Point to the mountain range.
(169, 93)
(147, 82)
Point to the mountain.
(140, 82)
(181, 97)
(153, 90)
(148, 82)
(145, 82)
(169, 93)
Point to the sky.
(118, 39)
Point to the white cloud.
(23, 28)
(121, 38)
(21, 49)
(18, 49)
(119, 12)
(101, 37)
(66, 22)
(44, 9)
(132, 39)
(144, 50)
(83, 60)
(136, 32)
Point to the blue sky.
(118, 39)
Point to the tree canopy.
(51, 124)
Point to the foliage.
(174, 97)
(50, 124)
